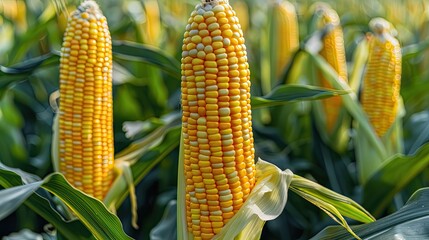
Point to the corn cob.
(85, 120)
(334, 53)
(217, 131)
(381, 86)
(286, 40)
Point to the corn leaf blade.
(344, 205)
(144, 53)
(146, 161)
(291, 93)
(10, 177)
(12, 198)
(385, 183)
(409, 222)
(91, 212)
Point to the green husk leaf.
(147, 160)
(345, 206)
(360, 56)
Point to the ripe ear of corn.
(284, 36)
(334, 53)
(85, 117)
(381, 85)
(218, 147)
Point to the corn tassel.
(382, 80)
(85, 117)
(217, 130)
(334, 53)
(285, 40)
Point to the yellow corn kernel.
(382, 80)
(217, 130)
(85, 120)
(285, 35)
(334, 53)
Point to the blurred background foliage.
(33, 30)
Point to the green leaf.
(333, 204)
(12, 198)
(414, 50)
(360, 57)
(91, 212)
(31, 38)
(148, 54)
(137, 148)
(147, 160)
(291, 93)
(13, 150)
(24, 234)
(22, 70)
(346, 206)
(167, 227)
(409, 222)
(392, 177)
(30, 65)
(10, 177)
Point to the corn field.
(214, 119)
